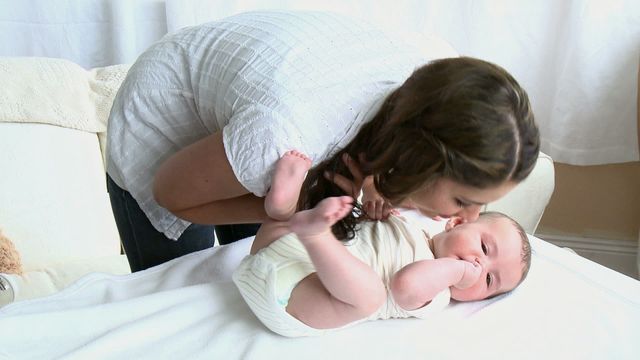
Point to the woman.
(204, 114)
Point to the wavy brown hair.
(462, 118)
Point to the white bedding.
(568, 308)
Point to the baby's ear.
(453, 222)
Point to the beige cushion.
(57, 92)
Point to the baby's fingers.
(473, 272)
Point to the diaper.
(267, 279)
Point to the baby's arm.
(418, 283)
(343, 288)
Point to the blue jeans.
(146, 247)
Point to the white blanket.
(568, 308)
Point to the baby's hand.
(470, 276)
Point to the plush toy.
(9, 257)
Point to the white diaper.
(266, 280)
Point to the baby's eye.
(484, 248)
(489, 280)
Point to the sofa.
(55, 207)
(54, 203)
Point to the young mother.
(204, 114)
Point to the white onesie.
(267, 278)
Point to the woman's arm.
(245, 209)
(418, 283)
(198, 185)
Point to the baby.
(300, 281)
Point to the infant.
(300, 280)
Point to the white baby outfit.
(267, 278)
(271, 81)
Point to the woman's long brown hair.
(460, 118)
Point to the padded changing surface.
(568, 308)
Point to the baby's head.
(497, 242)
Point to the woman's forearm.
(195, 176)
(240, 210)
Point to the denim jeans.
(146, 247)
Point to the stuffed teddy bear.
(9, 257)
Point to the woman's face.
(446, 198)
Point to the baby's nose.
(485, 262)
(472, 259)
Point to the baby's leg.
(343, 289)
(282, 198)
(308, 224)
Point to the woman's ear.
(453, 222)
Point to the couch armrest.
(526, 203)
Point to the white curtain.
(89, 32)
(578, 59)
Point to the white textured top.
(271, 81)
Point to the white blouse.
(271, 81)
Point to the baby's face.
(495, 244)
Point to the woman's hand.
(374, 205)
(350, 187)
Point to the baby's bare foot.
(318, 220)
(282, 198)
